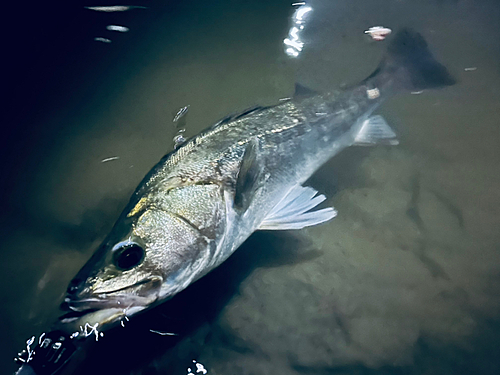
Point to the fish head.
(120, 279)
(148, 257)
(162, 242)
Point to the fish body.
(245, 173)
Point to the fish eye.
(128, 257)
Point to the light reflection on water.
(199, 369)
(293, 43)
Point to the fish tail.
(410, 65)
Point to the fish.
(245, 173)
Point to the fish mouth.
(74, 315)
(108, 306)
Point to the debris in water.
(417, 92)
(373, 93)
(471, 69)
(119, 28)
(110, 159)
(100, 39)
(378, 32)
(115, 8)
(181, 113)
(180, 121)
(163, 333)
(179, 140)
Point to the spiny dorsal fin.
(248, 176)
(302, 91)
(293, 211)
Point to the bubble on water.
(178, 140)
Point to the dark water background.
(404, 281)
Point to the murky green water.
(404, 281)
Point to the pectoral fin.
(248, 176)
(293, 211)
(375, 131)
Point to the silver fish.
(243, 174)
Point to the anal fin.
(375, 131)
(293, 211)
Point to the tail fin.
(410, 65)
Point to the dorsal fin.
(302, 91)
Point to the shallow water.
(404, 281)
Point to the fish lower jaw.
(103, 313)
(97, 320)
(92, 322)
(108, 301)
